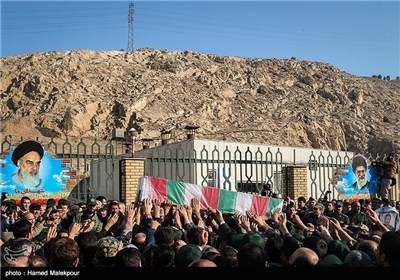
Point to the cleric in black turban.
(27, 157)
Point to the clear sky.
(361, 38)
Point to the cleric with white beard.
(27, 157)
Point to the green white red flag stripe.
(180, 193)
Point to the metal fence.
(242, 169)
(246, 170)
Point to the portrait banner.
(29, 170)
(390, 220)
(358, 180)
(389, 217)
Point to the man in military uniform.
(355, 215)
(90, 213)
(390, 169)
(339, 215)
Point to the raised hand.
(335, 223)
(311, 227)
(275, 216)
(219, 216)
(201, 224)
(209, 229)
(53, 233)
(138, 215)
(237, 216)
(157, 207)
(189, 211)
(250, 214)
(259, 219)
(88, 226)
(196, 206)
(154, 224)
(166, 204)
(254, 227)
(130, 212)
(147, 206)
(245, 223)
(73, 230)
(324, 233)
(111, 221)
(282, 219)
(177, 218)
(372, 216)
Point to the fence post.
(131, 170)
(295, 181)
(395, 190)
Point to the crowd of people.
(153, 233)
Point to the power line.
(130, 28)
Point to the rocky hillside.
(273, 101)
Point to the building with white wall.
(241, 166)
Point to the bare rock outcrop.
(270, 101)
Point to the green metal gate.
(244, 170)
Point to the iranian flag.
(180, 193)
